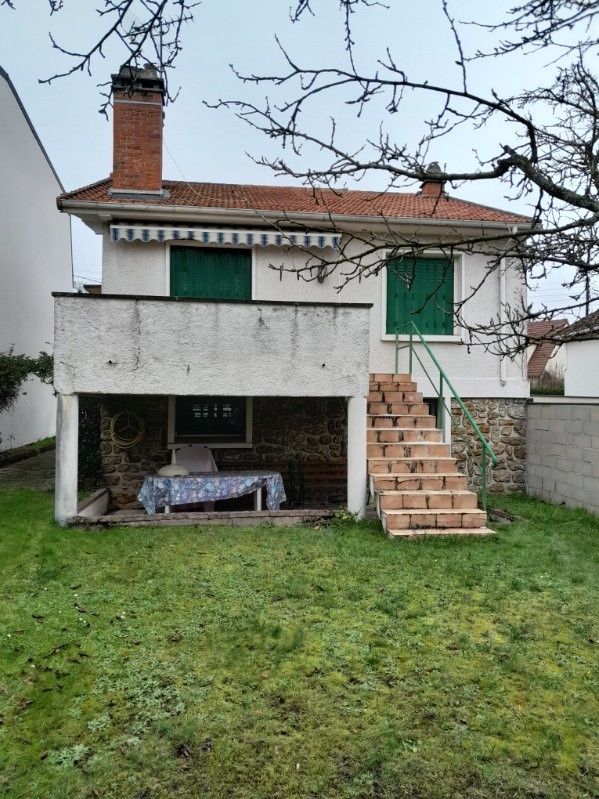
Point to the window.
(420, 290)
(217, 421)
(211, 274)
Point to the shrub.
(14, 371)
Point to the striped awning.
(223, 236)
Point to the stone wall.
(303, 438)
(562, 464)
(503, 423)
(123, 470)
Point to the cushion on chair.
(173, 470)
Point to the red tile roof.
(587, 327)
(544, 349)
(299, 199)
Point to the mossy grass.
(308, 662)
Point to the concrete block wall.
(562, 454)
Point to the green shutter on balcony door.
(211, 274)
(420, 290)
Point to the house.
(200, 333)
(35, 258)
(545, 356)
(581, 358)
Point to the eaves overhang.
(110, 212)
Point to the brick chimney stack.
(138, 100)
(432, 186)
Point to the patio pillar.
(67, 435)
(356, 456)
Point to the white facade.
(35, 259)
(581, 368)
(137, 268)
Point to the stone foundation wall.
(503, 423)
(123, 470)
(303, 438)
(311, 428)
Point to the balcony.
(113, 344)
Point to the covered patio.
(299, 371)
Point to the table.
(162, 492)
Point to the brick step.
(411, 465)
(395, 435)
(440, 531)
(395, 396)
(409, 449)
(398, 408)
(453, 481)
(416, 519)
(385, 377)
(448, 499)
(411, 386)
(422, 420)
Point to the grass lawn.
(330, 662)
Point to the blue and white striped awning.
(223, 236)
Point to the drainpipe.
(502, 313)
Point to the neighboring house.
(546, 357)
(196, 333)
(35, 259)
(581, 359)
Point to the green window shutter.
(211, 274)
(420, 290)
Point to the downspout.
(502, 313)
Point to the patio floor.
(244, 518)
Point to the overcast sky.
(209, 145)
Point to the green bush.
(14, 371)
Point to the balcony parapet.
(123, 344)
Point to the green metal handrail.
(442, 405)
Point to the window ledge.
(211, 444)
(434, 338)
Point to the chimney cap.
(138, 79)
(433, 183)
(434, 171)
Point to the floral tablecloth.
(158, 492)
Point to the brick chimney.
(433, 186)
(138, 100)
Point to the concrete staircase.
(414, 483)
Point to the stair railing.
(487, 449)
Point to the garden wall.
(562, 464)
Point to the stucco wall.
(139, 268)
(581, 368)
(150, 346)
(562, 459)
(35, 259)
(134, 268)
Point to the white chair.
(195, 458)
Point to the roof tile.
(300, 199)
(540, 329)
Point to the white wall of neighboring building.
(557, 362)
(143, 269)
(581, 368)
(35, 259)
